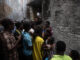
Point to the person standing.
(27, 42)
(8, 42)
(60, 49)
(74, 54)
(37, 44)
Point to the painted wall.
(15, 9)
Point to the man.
(27, 42)
(60, 49)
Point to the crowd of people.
(31, 40)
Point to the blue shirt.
(27, 42)
(1, 28)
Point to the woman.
(37, 44)
(9, 50)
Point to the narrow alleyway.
(40, 24)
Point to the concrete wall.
(1, 9)
(65, 20)
(14, 9)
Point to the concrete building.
(65, 20)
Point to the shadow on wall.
(4, 10)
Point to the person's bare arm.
(19, 38)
